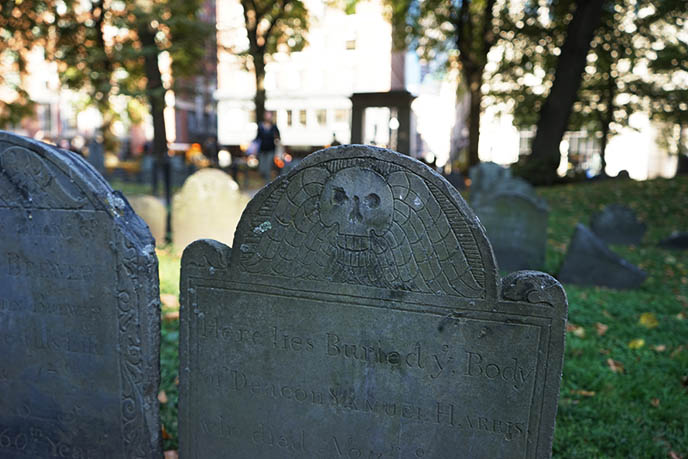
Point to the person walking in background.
(268, 135)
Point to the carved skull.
(358, 200)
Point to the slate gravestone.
(485, 175)
(516, 226)
(456, 179)
(617, 224)
(209, 205)
(96, 155)
(359, 315)
(79, 312)
(589, 261)
(153, 212)
(676, 241)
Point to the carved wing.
(293, 242)
(429, 256)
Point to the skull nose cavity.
(355, 215)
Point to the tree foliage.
(439, 29)
(271, 26)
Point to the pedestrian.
(267, 136)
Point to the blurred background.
(176, 85)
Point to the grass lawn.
(624, 391)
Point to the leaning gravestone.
(359, 314)
(675, 241)
(589, 261)
(153, 212)
(209, 205)
(79, 312)
(618, 224)
(516, 226)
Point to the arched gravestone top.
(80, 303)
(359, 314)
(363, 215)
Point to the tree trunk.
(542, 165)
(474, 77)
(156, 98)
(259, 67)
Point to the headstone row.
(359, 313)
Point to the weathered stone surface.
(589, 261)
(485, 176)
(516, 226)
(209, 205)
(153, 212)
(79, 312)
(618, 224)
(676, 241)
(359, 315)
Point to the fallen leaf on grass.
(654, 402)
(676, 351)
(675, 455)
(165, 435)
(162, 397)
(636, 343)
(615, 365)
(576, 330)
(169, 300)
(171, 454)
(681, 315)
(648, 320)
(584, 393)
(601, 328)
(659, 348)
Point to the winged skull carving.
(363, 225)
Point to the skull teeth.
(353, 242)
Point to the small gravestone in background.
(617, 224)
(359, 315)
(456, 179)
(96, 155)
(153, 212)
(676, 241)
(79, 312)
(209, 205)
(516, 225)
(486, 175)
(589, 261)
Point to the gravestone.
(209, 205)
(79, 312)
(96, 155)
(456, 179)
(516, 226)
(153, 212)
(675, 241)
(359, 314)
(485, 176)
(617, 224)
(588, 261)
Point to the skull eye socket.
(339, 196)
(372, 200)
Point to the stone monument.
(618, 224)
(79, 312)
(516, 225)
(153, 212)
(588, 261)
(209, 205)
(360, 314)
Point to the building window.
(290, 120)
(321, 117)
(351, 44)
(252, 116)
(341, 116)
(302, 117)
